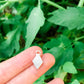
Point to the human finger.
(16, 64)
(56, 81)
(32, 74)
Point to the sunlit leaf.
(35, 21)
(69, 67)
(71, 17)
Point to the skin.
(20, 69)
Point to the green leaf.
(79, 62)
(45, 28)
(61, 41)
(14, 20)
(67, 55)
(11, 44)
(79, 55)
(35, 21)
(56, 52)
(69, 67)
(79, 46)
(61, 56)
(75, 82)
(61, 49)
(71, 17)
(52, 43)
(79, 76)
(65, 42)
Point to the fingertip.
(60, 81)
(18, 63)
(56, 81)
(50, 57)
(32, 74)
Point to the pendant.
(37, 61)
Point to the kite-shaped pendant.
(37, 61)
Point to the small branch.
(79, 38)
(6, 4)
(66, 3)
(3, 6)
(3, 1)
(53, 4)
(39, 3)
(80, 4)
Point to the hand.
(20, 69)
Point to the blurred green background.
(57, 26)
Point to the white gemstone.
(37, 61)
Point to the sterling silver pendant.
(37, 61)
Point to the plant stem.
(66, 3)
(79, 38)
(3, 1)
(6, 4)
(39, 3)
(3, 6)
(53, 4)
(80, 4)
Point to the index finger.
(15, 65)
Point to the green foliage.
(60, 55)
(35, 21)
(14, 20)
(25, 23)
(79, 76)
(71, 18)
(12, 43)
(69, 67)
(75, 82)
(79, 55)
